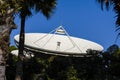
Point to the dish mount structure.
(58, 42)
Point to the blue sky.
(80, 18)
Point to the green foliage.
(72, 74)
(9, 4)
(11, 48)
(111, 58)
(11, 67)
(47, 67)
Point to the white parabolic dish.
(58, 44)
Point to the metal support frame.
(60, 31)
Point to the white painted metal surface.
(58, 43)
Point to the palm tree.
(43, 6)
(6, 26)
(116, 8)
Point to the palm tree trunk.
(3, 52)
(6, 26)
(19, 69)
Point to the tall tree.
(39, 6)
(6, 25)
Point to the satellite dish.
(58, 42)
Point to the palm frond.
(117, 37)
(107, 3)
(116, 8)
(47, 7)
(117, 11)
